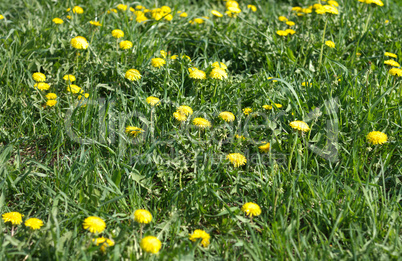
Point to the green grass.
(325, 195)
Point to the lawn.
(201, 130)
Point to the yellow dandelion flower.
(151, 244)
(282, 33)
(69, 77)
(168, 17)
(300, 125)
(174, 57)
(216, 13)
(386, 21)
(200, 234)
(117, 33)
(74, 89)
(377, 137)
(197, 74)
(112, 11)
(290, 23)
(330, 44)
(282, 19)
(57, 20)
(1, 17)
(330, 9)
(157, 62)
(241, 137)
(186, 110)
(333, 3)
(133, 75)
(269, 107)
(201, 123)
(219, 65)
(122, 7)
(14, 217)
(317, 6)
(306, 84)
(51, 103)
(247, 111)
(179, 116)
(51, 96)
(153, 101)
(39, 77)
(68, 17)
(94, 224)
(377, 2)
(139, 7)
(125, 45)
(252, 7)
(234, 10)
(251, 209)
(163, 53)
(231, 4)
(197, 21)
(79, 42)
(390, 55)
(297, 8)
(42, 86)
(183, 14)
(237, 159)
(227, 116)
(307, 10)
(133, 131)
(265, 147)
(96, 23)
(395, 72)
(86, 96)
(218, 73)
(34, 223)
(290, 31)
(103, 242)
(392, 63)
(78, 10)
(142, 216)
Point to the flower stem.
(322, 42)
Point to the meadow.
(201, 130)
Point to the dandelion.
(57, 20)
(216, 13)
(78, 10)
(51, 103)
(252, 7)
(201, 123)
(39, 77)
(237, 159)
(112, 11)
(282, 19)
(377, 137)
(330, 44)
(290, 31)
(94, 224)
(218, 73)
(122, 7)
(86, 96)
(307, 84)
(163, 53)
(392, 63)
(152, 101)
(42, 86)
(269, 107)
(269, 78)
(74, 89)
(290, 23)
(265, 147)
(179, 116)
(377, 2)
(142, 216)
(297, 8)
(390, 55)
(103, 242)
(200, 234)
(333, 3)
(158, 62)
(395, 72)
(247, 111)
(79, 43)
(300, 125)
(219, 65)
(96, 23)
(151, 244)
(51, 96)
(282, 33)
(1, 17)
(197, 74)
(241, 137)
(34, 223)
(125, 45)
(14, 218)
(117, 33)
(69, 77)
(68, 17)
(133, 75)
(197, 21)
(231, 4)
(186, 110)
(227, 116)
(182, 14)
(133, 131)
(251, 209)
